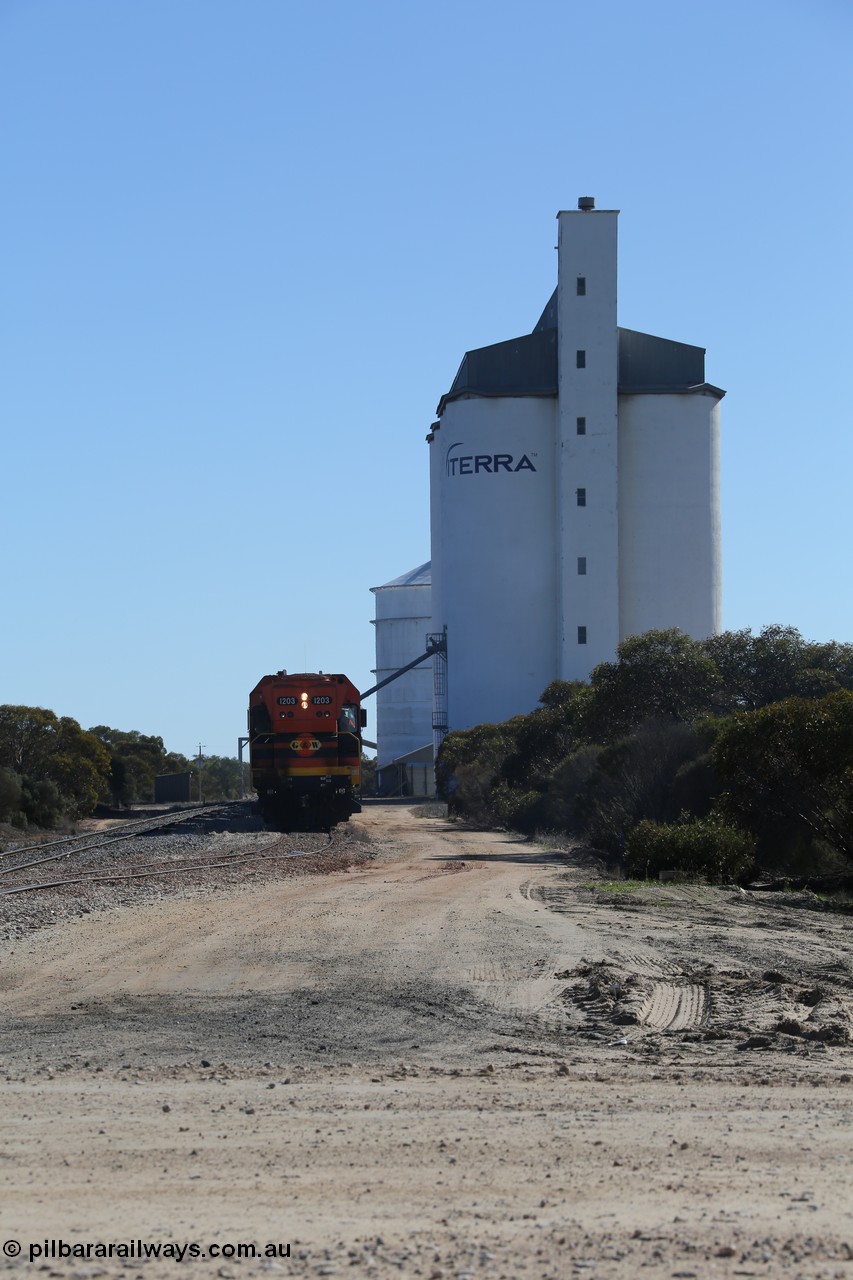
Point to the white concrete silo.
(669, 512)
(494, 533)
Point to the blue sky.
(247, 244)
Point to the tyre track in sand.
(674, 1008)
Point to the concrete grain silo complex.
(574, 489)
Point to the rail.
(156, 868)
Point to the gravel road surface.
(421, 1051)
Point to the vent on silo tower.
(586, 203)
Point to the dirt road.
(462, 1056)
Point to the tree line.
(717, 757)
(53, 770)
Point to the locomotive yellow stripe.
(300, 772)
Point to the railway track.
(72, 845)
(211, 818)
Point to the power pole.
(200, 759)
(241, 743)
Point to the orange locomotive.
(305, 749)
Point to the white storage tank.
(404, 707)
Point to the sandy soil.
(455, 1055)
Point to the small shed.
(412, 774)
(172, 788)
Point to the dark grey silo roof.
(527, 366)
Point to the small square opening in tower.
(581, 497)
(581, 426)
(581, 359)
(581, 635)
(581, 565)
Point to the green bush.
(705, 848)
(707, 730)
(787, 770)
(468, 764)
(29, 800)
(517, 809)
(41, 802)
(634, 779)
(10, 795)
(566, 786)
(471, 797)
(695, 787)
(660, 675)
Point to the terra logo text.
(472, 464)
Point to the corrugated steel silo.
(404, 707)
